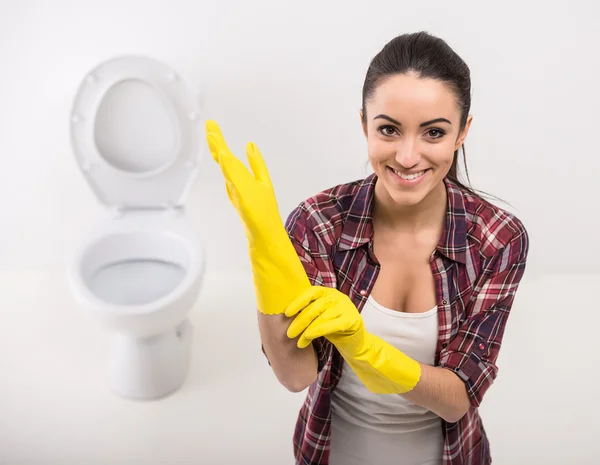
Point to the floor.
(57, 410)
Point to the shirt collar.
(358, 227)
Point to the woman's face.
(412, 129)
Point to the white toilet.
(136, 133)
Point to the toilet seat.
(163, 125)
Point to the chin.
(404, 199)
(410, 195)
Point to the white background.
(288, 76)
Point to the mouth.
(408, 179)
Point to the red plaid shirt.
(477, 266)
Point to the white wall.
(288, 75)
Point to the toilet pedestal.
(152, 367)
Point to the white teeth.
(410, 177)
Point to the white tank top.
(386, 429)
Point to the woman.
(387, 296)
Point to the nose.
(407, 154)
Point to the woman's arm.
(468, 365)
(281, 268)
(442, 392)
(295, 368)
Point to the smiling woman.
(411, 277)
(431, 267)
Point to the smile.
(411, 176)
(411, 179)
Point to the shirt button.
(481, 346)
(363, 292)
(444, 302)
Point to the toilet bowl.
(135, 131)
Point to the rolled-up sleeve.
(316, 262)
(473, 352)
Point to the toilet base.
(152, 367)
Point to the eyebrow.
(426, 123)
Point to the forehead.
(409, 97)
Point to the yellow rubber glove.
(327, 312)
(277, 271)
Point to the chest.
(450, 287)
(405, 281)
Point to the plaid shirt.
(477, 267)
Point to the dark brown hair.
(428, 57)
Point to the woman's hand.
(327, 312)
(251, 193)
(278, 274)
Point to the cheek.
(379, 150)
(441, 154)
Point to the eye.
(436, 133)
(387, 130)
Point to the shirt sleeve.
(473, 352)
(316, 263)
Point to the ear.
(363, 123)
(463, 135)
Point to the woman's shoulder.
(325, 212)
(491, 226)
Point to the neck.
(427, 214)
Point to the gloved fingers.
(307, 316)
(303, 342)
(257, 163)
(321, 327)
(232, 194)
(236, 176)
(234, 171)
(215, 140)
(306, 297)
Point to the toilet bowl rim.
(80, 287)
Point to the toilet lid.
(135, 130)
